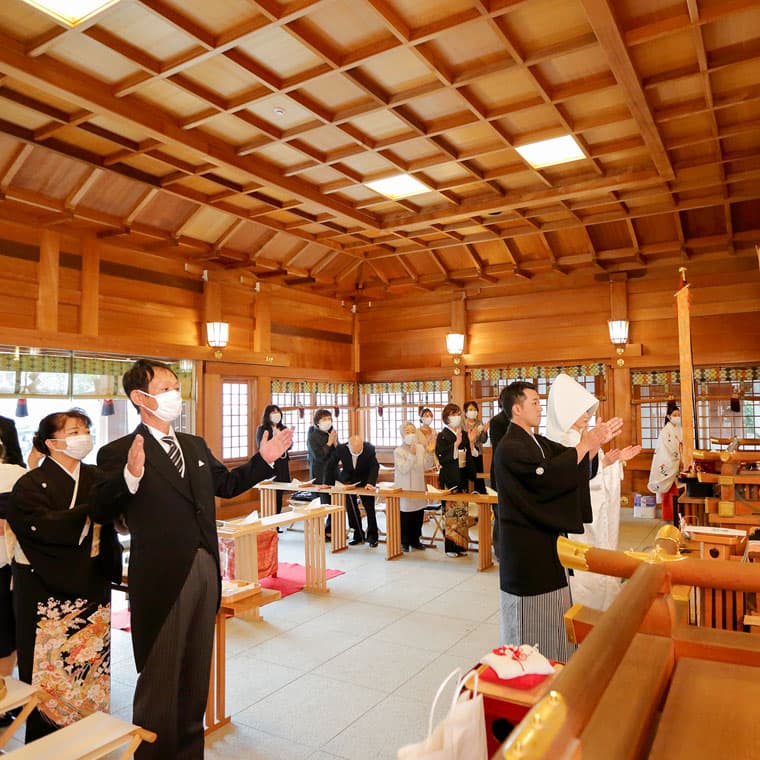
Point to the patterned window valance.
(66, 374)
(519, 373)
(701, 375)
(307, 386)
(416, 386)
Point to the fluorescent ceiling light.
(398, 186)
(559, 150)
(71, 12)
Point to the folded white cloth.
(514, 661)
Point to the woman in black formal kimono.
(450, 450)
(63, 565)
(271, 422)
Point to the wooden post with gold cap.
(686, 366)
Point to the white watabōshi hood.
(568, 400)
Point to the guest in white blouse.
(410, 461)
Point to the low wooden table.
(216, 711)
(268, 507)
(393, 517)
(314, 540)
(18, 694)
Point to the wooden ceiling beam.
(14, 165)
(605, 26)
(73, 85)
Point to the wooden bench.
(89, 738)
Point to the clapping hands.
(273, 448)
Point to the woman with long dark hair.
(271, 422)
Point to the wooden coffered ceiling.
(238, 135)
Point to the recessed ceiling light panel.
(559, 150)
(398, 186)
(71, 12)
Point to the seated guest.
(409, 461)
(271, 422)
(477, 435)
(450, 448)
(356, 463)
(63, 565)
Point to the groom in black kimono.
(543, 493)
(164, 484)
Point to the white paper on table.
(297, 482)
(251, 518)
(433, 489)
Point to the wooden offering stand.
(643, 685)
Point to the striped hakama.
(537, 620)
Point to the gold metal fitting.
(537, 731)
(572, 554)
(668, 539)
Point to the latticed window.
(37, 382)
(299, 400)
(487, 384)
(387, 406)
(727, 404)
(235, 420)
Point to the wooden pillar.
(356, 419)
(48, 281)
(89, 309)
(459, 325)
(262, 329)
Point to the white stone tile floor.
(350, 674)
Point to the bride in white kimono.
(570, 407)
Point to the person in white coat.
(410, 460)
(666, 463)
(570, 407)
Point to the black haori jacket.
(169, 518)
(541, 496)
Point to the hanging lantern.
(300, 412)
(379, 411)
(22, 410)
(107, 410)
(337, 411)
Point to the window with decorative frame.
(236, 422)
(387, 406)
(35, 382)
(727, 403)
(299, 400)
(487, 384)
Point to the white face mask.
(410, 438)
(169, 405)
(275, 418)
(676, 421)
(325, 425)
(455, 421)
(427, 421)
(472, 414)
(77, 446)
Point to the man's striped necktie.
(174, 454)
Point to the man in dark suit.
(164, 483)
(356, 463)
(9, 438)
